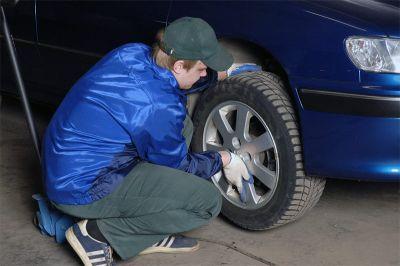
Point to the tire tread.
(308, 190)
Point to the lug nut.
(236, 142)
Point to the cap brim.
(221, 61)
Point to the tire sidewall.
(247, 93)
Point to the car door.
(74, 35)
(21, 22)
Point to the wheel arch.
(247, 51)
(251, 52)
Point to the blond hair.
(167, 61)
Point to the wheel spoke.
(260, 144)
(223, 184)
(262, 173)
(217, 177)
(214, 147)
(223, 126)
(220, 182)
(243, 116)
(254, 198)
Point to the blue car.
(326, 105)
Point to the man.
(116, 151)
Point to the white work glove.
(235, 170)
(238, 68)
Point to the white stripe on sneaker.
(170, 242)
(99, 264)
(156, 244)
(164, 241)
(97, 260)
(94, 253)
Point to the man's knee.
(208, 199)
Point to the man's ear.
(178, 67)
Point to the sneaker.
(91, 251)
(173, 244)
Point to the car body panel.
(306, 38)
(383, 14)
(315, 60)
(73, 36)
(351, 146)
(21, 21)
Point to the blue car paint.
(381, 13)
(306, 38)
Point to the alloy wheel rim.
(236, 127)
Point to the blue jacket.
(126, 109)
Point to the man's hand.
(238, 68)
(235, 170)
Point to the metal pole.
(20, 83)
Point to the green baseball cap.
(194, 39)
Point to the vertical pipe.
(20, 83)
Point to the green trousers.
(151, 203)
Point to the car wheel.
(251, 115)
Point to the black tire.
(294, 193)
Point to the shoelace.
(108, 254)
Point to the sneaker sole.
(151, 250)
(77, 247)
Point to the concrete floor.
(355, 223)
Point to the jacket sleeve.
(159, 140)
